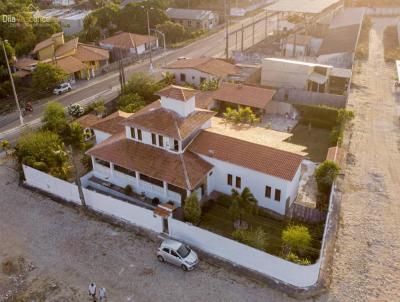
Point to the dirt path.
(367, 261)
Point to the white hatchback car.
(178, 254)
(64, 87)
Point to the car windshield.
(184, 251)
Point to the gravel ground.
(367, 261)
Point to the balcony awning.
(317, 78)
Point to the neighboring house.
(195, 71)
(297, 46)
(71, 20)
(78, 60)
(124, 44)
(171, 149)
(339, 45)
(193, 18)
(87, 121)
(280, 73)
(238, 95)
(63, 2)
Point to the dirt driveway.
(367, 261)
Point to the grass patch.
(362, 51)
(216, 219)
(317, 141)
(391, 44)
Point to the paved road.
(213, 46)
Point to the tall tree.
(54, 118)
(46, 77)
(243, 205)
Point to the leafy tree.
(54, 118)
(243, 115)
(45, 151)
(296, 238)
(91, 30)
(47, 76)
(5, 144)
(256, 238)
(209, 85)
(130, 102)
(192, 209)
(243, 205)
(144, 85)
(133, 17)
(325, 175)
(92, 106)
(174, 32)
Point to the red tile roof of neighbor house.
(127, 40)
(87, 53)
(113, 123)
(166, 122)
(204, 99)
(24, 63)
(275, 162)
(216, 67)
(244, 95)
(177, 93)
(182, 170)
(88, 120)
(69, 64)
(67, 47)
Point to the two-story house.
(170, 149)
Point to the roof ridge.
(185, 172)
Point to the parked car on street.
(64, 87)
(178, 254)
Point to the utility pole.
(148, 32)
(227, 31)
(21, 118)
(242, 46)
(266, 23)
(254, 25)
(164, 43)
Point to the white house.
(195, 71)
(170, 149)
(193, 18)
(130, 43)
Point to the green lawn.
(216, 219)
(317, 141)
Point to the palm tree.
(243, 205)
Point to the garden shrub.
(256, 238)
(292, 257)
(192, 209)
(325, 175)
(296, 238)
(128, 190)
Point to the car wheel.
(160, 258)
(184, 268)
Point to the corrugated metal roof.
(302, 6)
(188, 14)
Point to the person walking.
(102, 294)
(92, 291)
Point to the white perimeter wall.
(255, 181)
(259, 261)
(101, 203)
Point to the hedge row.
(318, 116)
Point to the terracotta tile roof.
(278, 163)
(43, 44)
(86, 53)
(244, 95)
(25, 63)
(70, 64)
(127, 40)
(113, 123)
(67, 47)
(185, 171)
(177, 93)
(211, 66)
(204, 99)
(88, 120)
(156, 119)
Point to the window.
(152, 180)
(153, 139)
(139, 134)
(238, 182)
(202, 80)
(173, 253)
(124, 171)
(183, 77)
(165, 250)
(277, 195)
(103, 163)
(229, 179)
(133, 133)
(161, 141)
(176, 145)
(268, 191)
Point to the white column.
(111, 169)
(137, 179)
(93, 163)
(165, 185)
